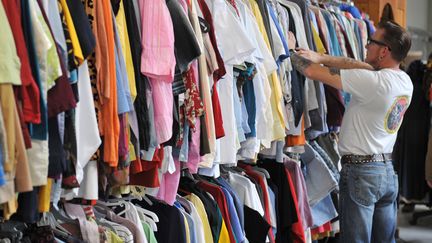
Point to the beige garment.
(16, 168)
(204, 80)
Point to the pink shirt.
(169, 184)
(157, 40)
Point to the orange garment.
(291, 140)
(109, 124)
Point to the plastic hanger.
(112, 204)
(148, 213)
(128, 206)
(147, 219)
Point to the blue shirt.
(272, 13)
(124, 99)
(335, 49)
(234, 219)
(237, 202)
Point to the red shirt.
(217, 74)
(297, 227)
(145, 173)
(28, 92)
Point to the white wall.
(417, 14)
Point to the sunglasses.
(370, 41)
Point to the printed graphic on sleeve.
(395, 114)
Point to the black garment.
(212, 210)
(409, 152)
(186, 46)
(70, 147)
(256, 227)
(286, 211)
(178, 86)
(28, 207)
(335, 105)
(176, 124)
(297, 82)
(142, 83)
(56, 157)
(204, 142)
(171, 226)
(82, 26)
(115, 4)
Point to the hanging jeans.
(367, 200)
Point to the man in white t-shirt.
(381, 93)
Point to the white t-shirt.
(375, 113)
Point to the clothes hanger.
(147, 212)
(127, 207)
(144, 216)
(112, 203)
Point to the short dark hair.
(397, 38)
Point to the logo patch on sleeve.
(395, 114)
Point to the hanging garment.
(411, 144)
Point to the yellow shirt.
(186, 229)
(45, 196)
(196, 201)
(278, 128)
(125, 44)
(319, 44)
(224, 235)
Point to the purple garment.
(301, 191)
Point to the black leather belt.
(362, 159)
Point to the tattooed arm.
(331, 61)
(329, 76)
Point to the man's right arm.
(335, 62)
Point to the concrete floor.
(420, 233)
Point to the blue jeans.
(367, 203)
